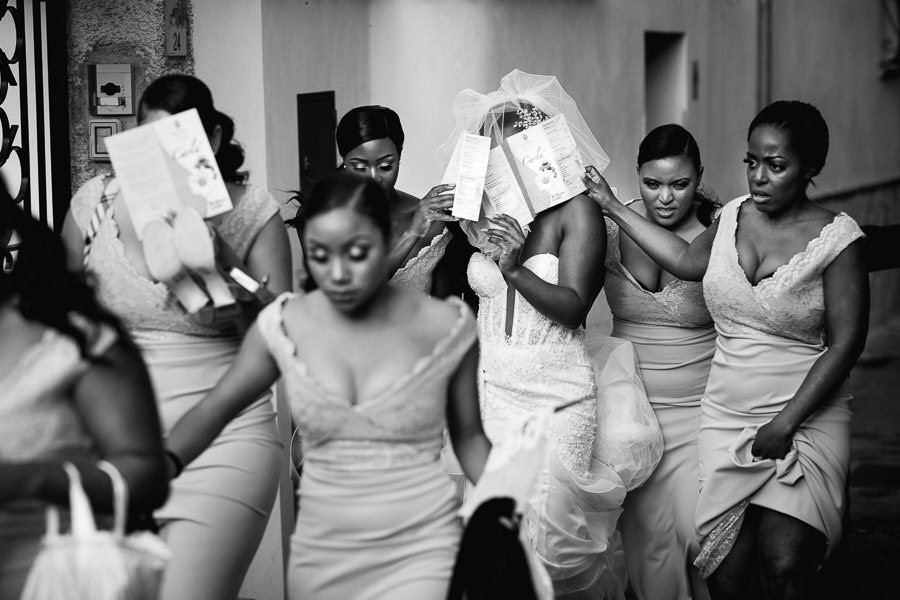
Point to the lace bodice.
(680, 303)
(530, 327)
(37, 419)
(416, 274)
(401, 425)
(138, 301)
(541, 364)
(789, 304)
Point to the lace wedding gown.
(576, 500)
(38, 423)
(769, 336)
(377, 511)
(218, 507)
(673, 337)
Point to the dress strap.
(102, 211)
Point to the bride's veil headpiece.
(523, 100)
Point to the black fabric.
(881, 247)
(491, 562)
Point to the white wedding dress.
(576, 501)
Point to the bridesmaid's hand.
(598, 189)
(435, 206)
(773, 440)
(506, 234)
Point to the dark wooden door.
(316, 122)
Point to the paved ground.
(868, 564)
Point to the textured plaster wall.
(113, 31)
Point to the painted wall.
(309, 46)
(596, 49)
(833, 63)
(416, 55)
(232, 71)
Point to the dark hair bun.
(366, 123)
(177, 93)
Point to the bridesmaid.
(666, 320)
(370, 142)
(219, 506)
(372, 372)
(785, 283)
(74, 389)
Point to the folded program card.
(547, 162)
(165, 165)
(503, 189)
(467, 170)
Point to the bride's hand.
(598, 189)
(435, 206)
(509, 238)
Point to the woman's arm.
(114, 399)
(73, 240)
(667, 249)
(581, 269)
(464, 417)
(251, 374)
(269, 257)
(427, 220)
(846, 285)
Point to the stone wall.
(114, 31)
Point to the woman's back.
(116, 260)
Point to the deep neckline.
(419, 366)
(617, 260)
(796, 257)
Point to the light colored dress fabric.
(218, 507)
(673, 337)
(573, 510)
(769, 336)
(377, 512)
(38, 422)
(417, 273)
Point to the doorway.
(665, 79)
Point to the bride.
(535, 289)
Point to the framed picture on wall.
(100, 129)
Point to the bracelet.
(179, 466)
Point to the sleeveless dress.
(769, 336)
(417, 273)
(576, 500)
(673, 337)
(377, 511)
(218, 507)
(38, 422)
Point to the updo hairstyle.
(366, 123)
(177, 93)
(804, 126)
(670, 141)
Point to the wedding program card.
(504, 190)
(467, 169)
(166, 165)
(546, 160)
